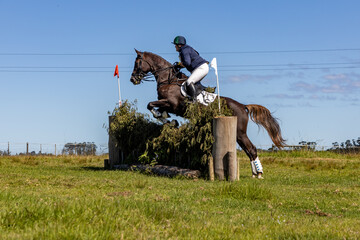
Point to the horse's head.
(141, 68)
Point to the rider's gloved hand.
(177, 65)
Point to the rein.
(142, 76)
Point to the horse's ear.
(137, 52)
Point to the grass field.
(304, 195)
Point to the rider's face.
(178, 47)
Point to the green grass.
(304, 195)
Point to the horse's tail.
(262, 116)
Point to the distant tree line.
(85, 148)
(344, 147)
(308, 145)
(348, 144)
(303, 145)
(4, 153)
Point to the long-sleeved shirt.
(190, 58)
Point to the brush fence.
(224, 164)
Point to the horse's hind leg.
(251, 152)
(241, 112)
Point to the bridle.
(140, 75)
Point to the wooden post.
(106, 164)
(211, 169)
(27, 148)
(115, 154)
(224, 148)
(238, 168)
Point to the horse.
(170, 100)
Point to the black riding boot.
(191, 91)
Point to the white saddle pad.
(204, 97)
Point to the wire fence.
(27, 148)
(314, 148)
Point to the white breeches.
(198, 74)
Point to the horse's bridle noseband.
(140, 74)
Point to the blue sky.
(57, 60)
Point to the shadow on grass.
(95, 169)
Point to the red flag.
(116, 73)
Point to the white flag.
(213, 64)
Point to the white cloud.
(306, 104)
(341, 83)
(284, 96)
(280, 105)
(333, 84)
(318, 97)
(304, 86)
(350, 99)
(252, 78)
(264, 78)
(335, 77)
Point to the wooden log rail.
(161, 170)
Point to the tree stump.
(224, 149)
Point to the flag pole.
(119, 91)
(213, 64)
(116, 73)
(217, 81)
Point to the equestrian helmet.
(179, 40)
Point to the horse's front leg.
(161, 106)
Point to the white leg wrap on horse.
(253, 168)
(155, 112)
(258, 165)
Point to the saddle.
(204, 95)
(198, 89)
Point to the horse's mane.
(157, 58)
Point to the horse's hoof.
(156, 113)
(165, 114)
(257, 176)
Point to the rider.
(191, 60)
